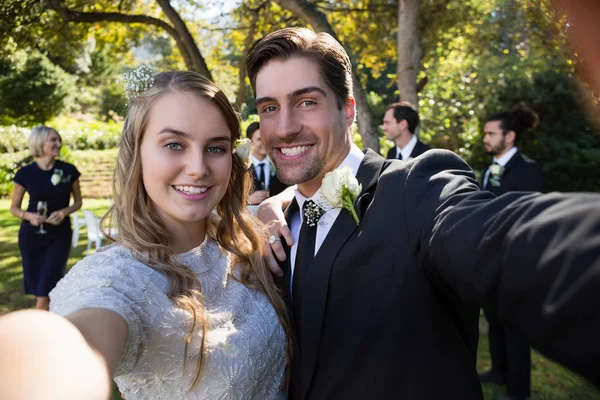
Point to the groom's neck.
(309, 188)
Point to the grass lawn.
(549, 381)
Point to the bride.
(182, 305)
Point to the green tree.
(506, 52)
(112, 12)
(35, 91)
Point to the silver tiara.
(137, 81)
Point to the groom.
(389, 308)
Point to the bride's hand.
(270, 212)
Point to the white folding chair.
(78, 222)
(93, 230)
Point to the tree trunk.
(364, 116)
(185, 43)
(409, 50)
(199, 65)
(241, 96)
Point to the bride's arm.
(47, 356)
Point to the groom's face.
(302, 127)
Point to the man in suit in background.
(265, 180)
(387, 307)
(399, 124)
(510, 171)
(514, 172)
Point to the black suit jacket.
(419, 149)
(521, 174)
(275, 185)
(391, 305)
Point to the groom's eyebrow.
(307, 90)
(295, 93)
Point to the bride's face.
(186, 158)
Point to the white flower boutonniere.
(496, 171)
(341, 189)
(56, 176)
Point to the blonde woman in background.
(45, 233)
(182, 305)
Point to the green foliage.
(76, 135)
(35, 92)
(114, 102)
(506, 53)
(9, 164)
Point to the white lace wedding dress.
(245, 342)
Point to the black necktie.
(261, 175)
(305, 254)
(399, 155)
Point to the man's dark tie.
(399, 155)
(305, 254)
(261, 175)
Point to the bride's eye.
(215, 150)
(174, 146)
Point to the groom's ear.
(349, 110)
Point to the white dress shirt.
(267, 167)
(407, 150)
(502, 160)
(352, 160)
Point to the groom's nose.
(287, 123)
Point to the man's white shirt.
(502, 160)
(267, 166)
(352, 160)
(408, 149)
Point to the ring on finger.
(273, 239)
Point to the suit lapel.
(317, 280)
(513, 160)
(286, 266)
(417, 150)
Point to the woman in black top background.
(45, 233)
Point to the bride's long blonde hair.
(237, 231)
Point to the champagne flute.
(42, 209)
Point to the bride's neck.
(188, 236)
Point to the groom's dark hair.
(321, 48)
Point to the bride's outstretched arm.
(47, 356)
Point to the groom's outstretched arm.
(536, 258)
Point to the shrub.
(77, 134)
(35, 92)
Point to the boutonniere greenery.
(272, 167)
(496, 171)
(340, 189)
(58, 177)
